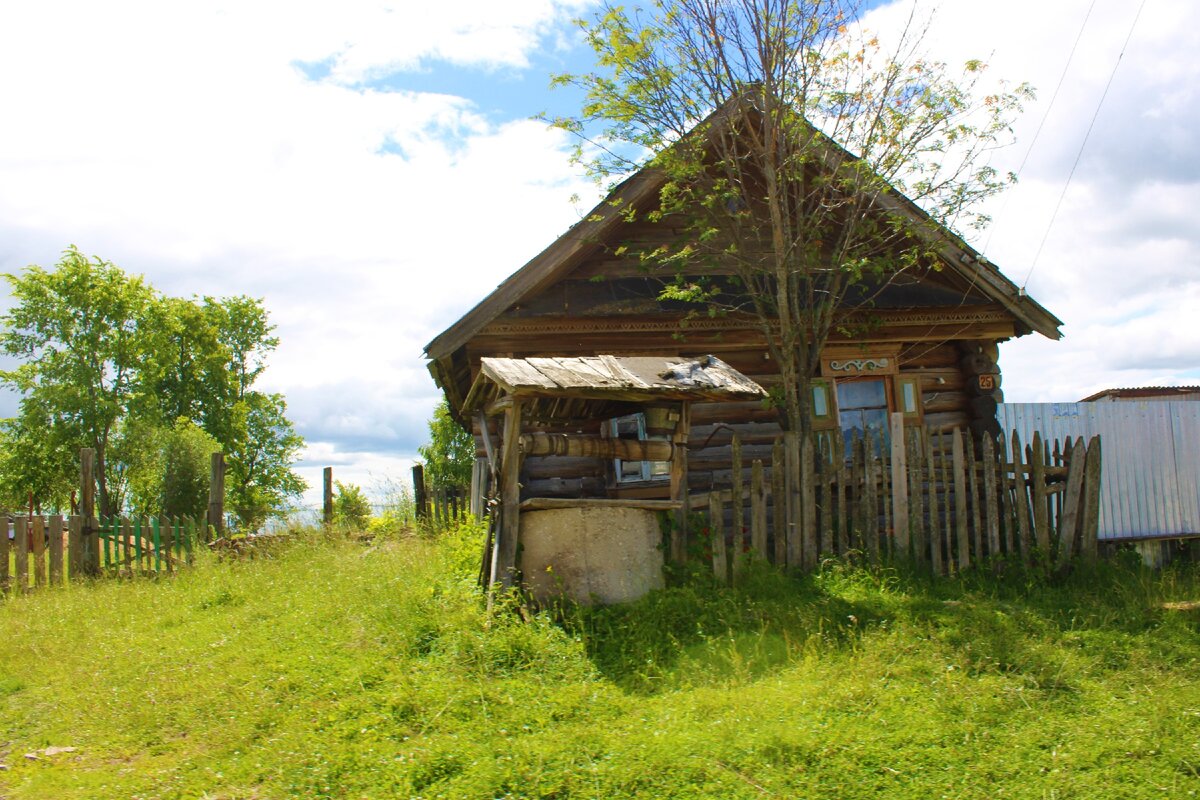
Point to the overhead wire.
(1082, 145)
(1045, 116)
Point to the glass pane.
(861, 394)
(820, 400)
(658, 468)
(909, 389)
(858, 423)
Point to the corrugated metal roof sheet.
(1150, 483)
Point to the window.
(858, 391)
(862, 409)
(634, 427)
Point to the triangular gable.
(567, 251)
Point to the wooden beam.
(583, 446)
(504, 566)
(549, 503)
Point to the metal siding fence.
(1151, 478)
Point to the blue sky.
(373, 171)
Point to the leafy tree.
(783, 132)
(170, 470)
(350, 507)
(109, 363)
(258, 458)
(450, 452)
(77, 331)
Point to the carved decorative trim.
(568, 325)
(856, 365)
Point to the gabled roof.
(568, 250)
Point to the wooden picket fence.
(47, 551)
(931, 498)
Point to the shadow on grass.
(1004, 619)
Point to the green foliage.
(336, 670)
(76, 331)
(450, 453)
(784, 131)
(110, 364)
(171, 469)
(351, 510)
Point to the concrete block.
(591, 555)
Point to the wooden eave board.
(611, 378)
(552, 263)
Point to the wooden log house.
(929, 348)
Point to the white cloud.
(1121, 264)
(184, 142)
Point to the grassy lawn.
(340, 670)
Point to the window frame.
(647, 474)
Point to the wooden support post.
(758, 510)
(420, 498)
(504, 567)
(327, 496)
(216, 496)
(716, 528)
(89, 542)
(679, 483)
(960, 500)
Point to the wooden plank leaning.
(1089, 525)
(825, 483)
(791, 445)
(919, 539)
(991, 508)
(1071, 504)
(870, 517)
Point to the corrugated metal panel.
(1151, 473)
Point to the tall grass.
(335, 669)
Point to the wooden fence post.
(420, 500)
(716, 528)
(22, 553)
(899, 487)
(216, 496)
(89, 541)
(1089, 525)
(327, 496)
(4, 558)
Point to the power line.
(1082, 145)
(1045, 116)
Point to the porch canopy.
(594, 387)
